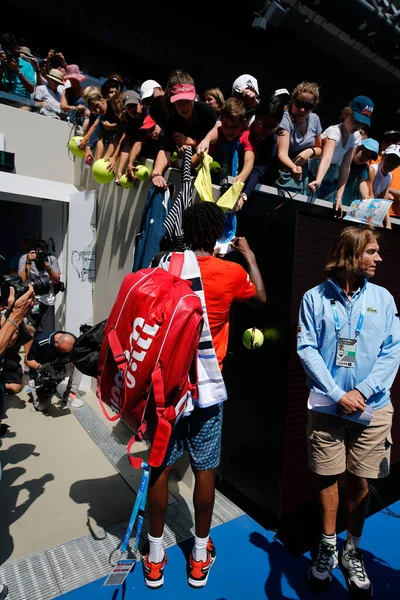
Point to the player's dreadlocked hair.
(203, 225)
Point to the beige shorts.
(336, 445)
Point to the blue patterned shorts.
(199, 434)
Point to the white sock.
(352, 541)
(156, 552)
(199, 551)
(329, 539)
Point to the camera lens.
(41, 284)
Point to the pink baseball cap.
(183, 91)
(73, 72)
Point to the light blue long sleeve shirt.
(378, 344)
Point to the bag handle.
(122, 364)
(176, 263)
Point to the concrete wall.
(39, 144)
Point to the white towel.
(211, 386)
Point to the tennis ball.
(73, 145)
(272, 335)
(142, 173)
(253, 338)
(100, 172)
(174, 157)
(125, 182)
(215, 167)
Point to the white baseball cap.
(245, 81)
(282, 92)
(147, 88)
(393, 149)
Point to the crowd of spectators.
(272, 138)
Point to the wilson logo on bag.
(148, 358)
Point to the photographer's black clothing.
(43, 349)
(42, 317)
(12, 370)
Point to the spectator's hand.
(203, 147)
(351, 402)
(159, 181)
(239, 205)
(31, 256)
(297, 173)
(314, 186)
(46, 265)
(60, 55)
(50, 53)
(108, 126)
(112, 164)
(81, 108)
(250, 97)
(131, 173)
(83, 143)
(338, 209)
(302, 157)
(12, 65)
(35, 64)
(19, 308)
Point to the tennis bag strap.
(165, 416)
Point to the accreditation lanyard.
(346, 347)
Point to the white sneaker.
(73, 400)
(320, 572)
(357, 578)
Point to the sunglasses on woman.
(304, 104)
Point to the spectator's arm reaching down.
(327, 155)
(160, 165)
(132, 157)
(17, 310)
(88, 134)
(309, 153)
(248, 165)
(211, 138)
(283, 155)
(66, 107)
(113, 150)
(344, 171)
(364, 189)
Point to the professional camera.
(41, 258)
(47, 380)
(41, 285)
(10, 55)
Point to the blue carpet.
(250, 565)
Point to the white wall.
(39, 144)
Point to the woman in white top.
(338, 146)
(380, 176)
(300, 139)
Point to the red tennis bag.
(148, 357)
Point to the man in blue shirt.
(17, 76)
(348, 341)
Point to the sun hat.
(183, 91)
(393, 149)
(73, 72)
(55, 75)
(131, 97)
(26, 50)
(245, 81)
(148, 123)
(147, 88)
(362, 107)
(371, 145)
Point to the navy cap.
(362, 107)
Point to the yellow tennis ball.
(100, 171)
(174, 157)
(253, 338)
(142, 173)
(125, 182)
(73, 145)
(215, 166)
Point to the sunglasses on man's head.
(304, 104)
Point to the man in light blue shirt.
(348, 341)
(17, 76)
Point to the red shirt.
(223, 282)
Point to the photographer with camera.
(10, 322)
(40, 264)
(17, 76)
(49, 363)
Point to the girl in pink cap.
(72, 99)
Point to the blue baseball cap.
(372, 146)
(362, 107)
